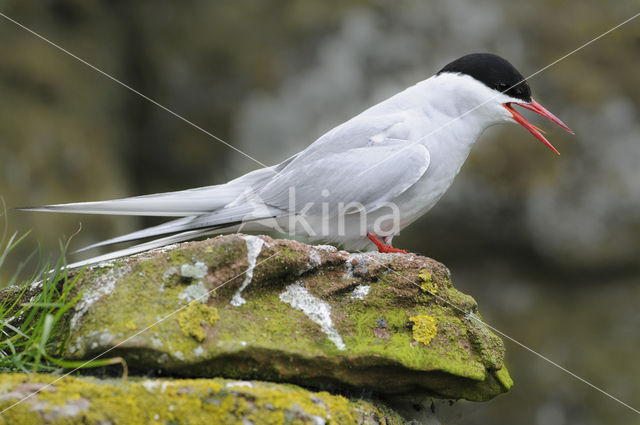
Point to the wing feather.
(351, 176)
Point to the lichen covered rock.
(251, 307)
(181, 401)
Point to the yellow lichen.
(130, 325)
(265, 324)
(193, 401)
(194, 317)
(424, 328)
(428, 285)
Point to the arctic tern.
(361, 182)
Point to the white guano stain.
(102, 286)
(150, 386)
(254, 246)
(315, 260)
(239, 384)
(195, 292)
(360, 292)
(318, 420)
(169, 272)
(362, 263)
(314, 308)
(326, 248)
(194, 271)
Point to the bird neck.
(457, 110)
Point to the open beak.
(539, 109)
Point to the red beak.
(539, 109)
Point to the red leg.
(383, 247)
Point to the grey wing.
(370, 176)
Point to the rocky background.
(548, 245)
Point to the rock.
(240, 307)
(257, 308)
(177, 401)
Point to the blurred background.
(548, 245)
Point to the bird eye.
(502, 85)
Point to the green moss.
(195, 317)
(145, 295)
(268, 339)
(272, 324)
(504, 378)
(288, 254)
(424, 328)
(448, 350)
(486, 343)
(362, 334)
(199, 401)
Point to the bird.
(360, 183)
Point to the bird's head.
(498, 87)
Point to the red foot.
(383, 247)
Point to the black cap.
(492, 70)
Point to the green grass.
(32, 312)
